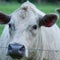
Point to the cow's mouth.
(15, 56)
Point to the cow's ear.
(48, 20)
(4, 19)
(58, 11)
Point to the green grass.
(9, 8)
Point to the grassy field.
(9, 8)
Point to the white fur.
(43, 38)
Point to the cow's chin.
(30, 57)
(14, 58)
(23, 58)
(18, 58)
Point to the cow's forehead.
(27, 13)
(32, 7)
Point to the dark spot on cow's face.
(25, 8)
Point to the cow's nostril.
(9, 48)
(22, 48)
(16, 51)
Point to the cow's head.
(24, 25)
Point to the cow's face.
(24, 25)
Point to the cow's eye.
(34, 27)
(9, 25)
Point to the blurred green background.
(47, 6)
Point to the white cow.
(29, 34)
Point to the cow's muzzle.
(16, 51)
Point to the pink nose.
(16, 51)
